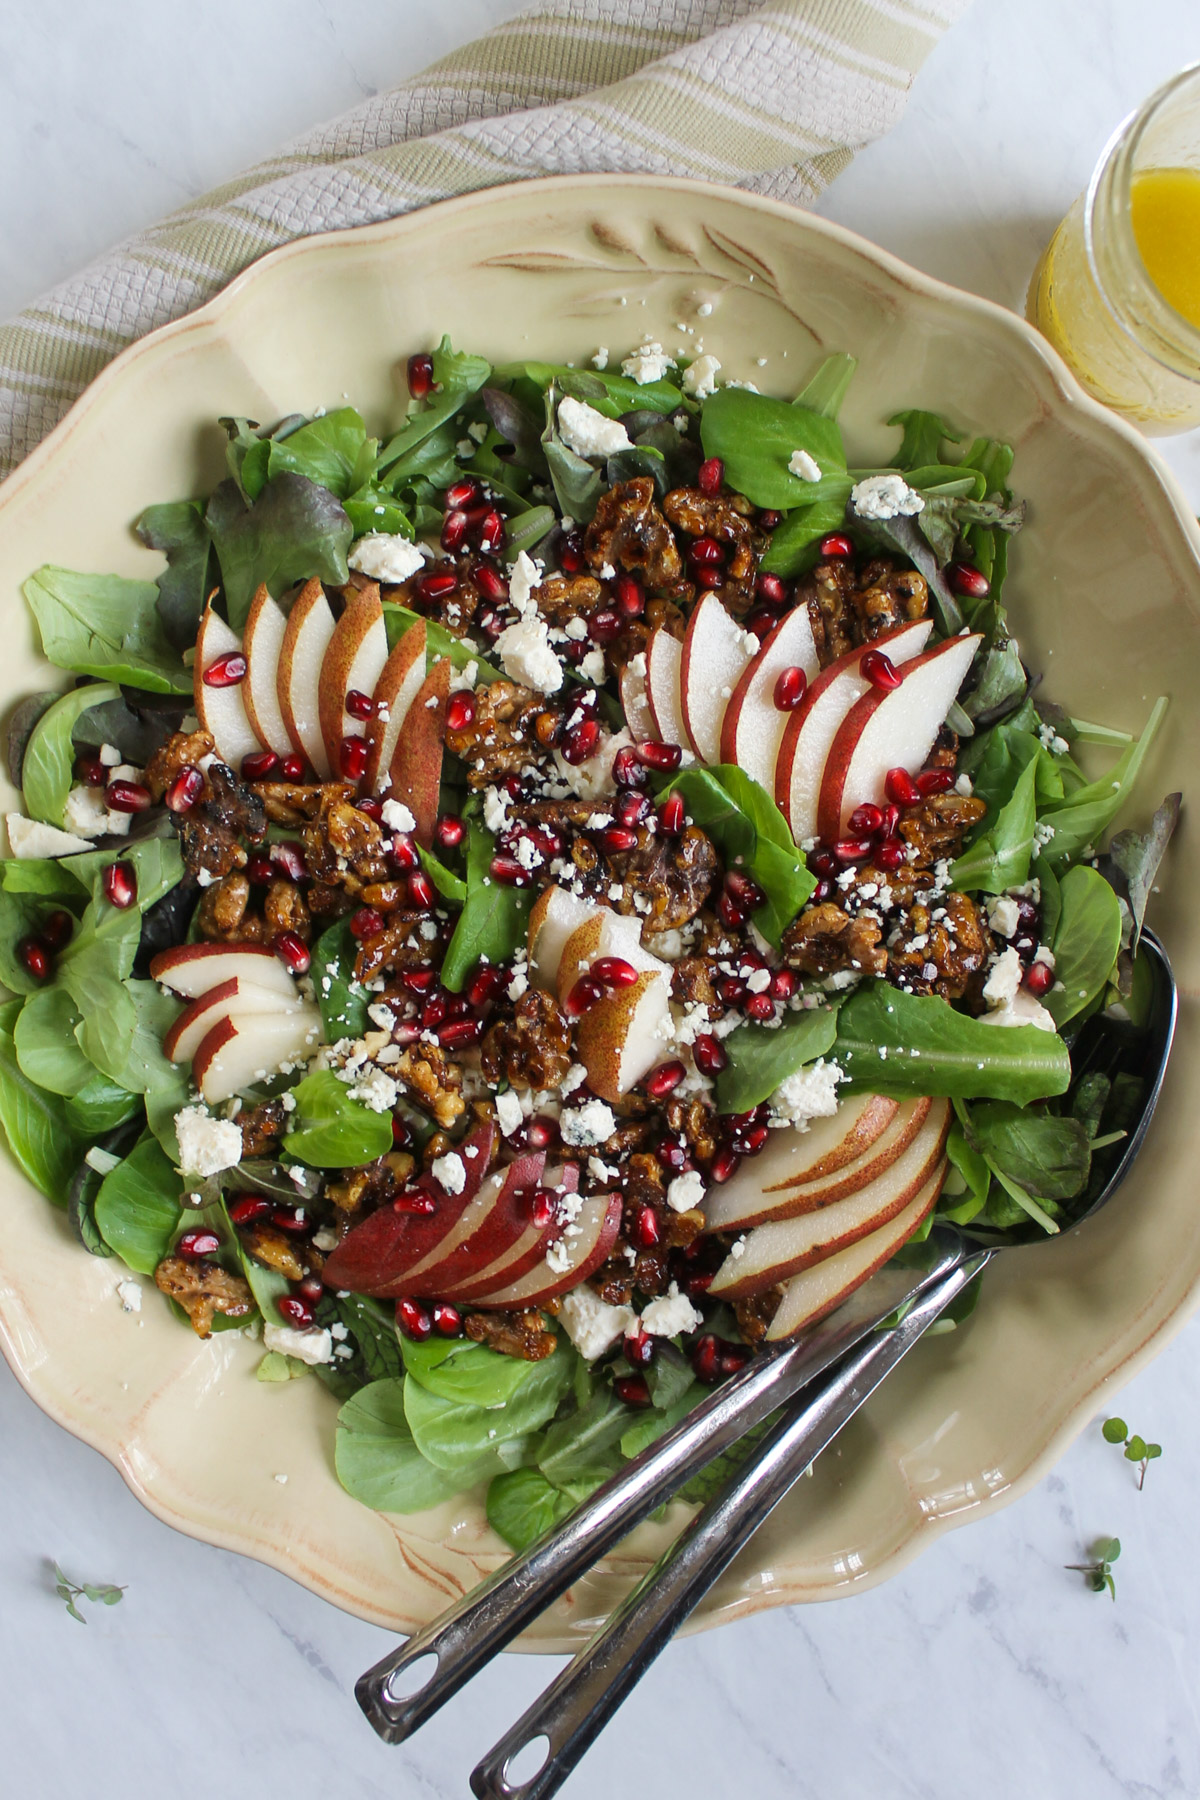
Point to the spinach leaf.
(891, 1042)
(377, 1460)
(494, 918)
(1047, 1155)
(585, 1442)
(1134, 857)
(372, 508)
(106, 626)
(332, 451)
(456, 377)
(329, 1130)
(1000, 685)
(457, 1369)
(609, 392)
(999, 858)
(22, 720)
(454, 1433)
(140, 1064)
(924, 435)
(138, 1207)
(450, 886)
(1086, 943)
(438, 641)
(759, 1059)
(21, 913)
(343, 1001)
(372, 1328)
(905, 535)
(40, 875)
(179, 531)
(522, 1504)
(158, 865)
(826, 389)
(81, 1210)
(45, 1042)
(751, 832)
(42, 1144)
(756, 436)
(651, 1425)
(1087, 813)
(293, 531)
(795, 545)
(48, 771)
(103, 1105)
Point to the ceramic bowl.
(1105, 595)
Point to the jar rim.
(1141, 310)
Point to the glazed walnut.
(939, 949)
(531, 1049)
(667, 880)
(714, 516)
(501, 738)
(203, 1289)
(825, 940)
(629, 532)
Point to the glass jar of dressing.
(1117, 291)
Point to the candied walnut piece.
(937, 827)
(284, 909)
(754, 1314)
(232, 806)
(221, 916)
(692, 985)
(180, 749)
(274, 1250)
(885, 597)
(824, 940)
(288, 802)
(502, 737)
(563, 597)
(696, 1121)
(202, 1289)
(629, 532)
(670, 877)
(359, 1188)
(433, 1080)
(262, 1127)
(519, 1334)
(399, 945)
(533, 1048)
(826, 593)
(716, 516)
(207, 847)
(940, 955)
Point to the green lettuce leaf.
(106, 626)
(329, 1130)
(295, 530)
(760, 1058)
(756, 436)
(137, 1208)
(751, 833)
(48, 770)
(891, 1042)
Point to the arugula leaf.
(293, 531)
(1086, 943)
(179, 531)
(999, 858)
(343, 1001)
(750, 831)
(756, 436)
(1048, 1155)
(607, 391)
(332, 451)
(137, 1209)
(329, 1130)
(523, 1503)
(372, 508)
(891, 1042)
(825, 390)
(48, 770)
(39, 1138)
(759, 1058)
(377, 1460)
(1087, 813)
(106, 626)
(456, 377)
(45, 1042)
(1135, 856)
(494, 918)
(924, 435)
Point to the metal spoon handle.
(469, 1634)
(576, 1707)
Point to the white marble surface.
(984, 1669)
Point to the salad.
(520, 914)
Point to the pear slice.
(353, 662)
(597, 1227)
(298, 681)
(414, 775)
(715, 652)
(237, 1053)
(263, 644)
(191, 969)
(556, 914)
(399, 681)
(623, 1036)
(232, 999)
(664, 660)
(221, 710)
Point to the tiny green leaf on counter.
(106, 626)
(896, 1043)
(103, 1594)
(48, 769)
(494, 918)
(751, 832)
(329, 1130)
(759, 1059)
(1104, 1553)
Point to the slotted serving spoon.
(579, 1703)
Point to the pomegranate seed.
(628, 770)
(835, 545)
(249, 1210)
(291, 859)
(91, 771)
(509, 872)
(900, 788)
(583, 996)
(761, 622)
(769, 518)
(1029, 914)
(401, 1135)
(754, 1141)
(706, 1358)
(771, 589)
(437, 586)
(290, 1218)
(639, 1349)
(698, 1283)
(418, 981)
(822, 862)
(491, 624)
(259, 764)
(359, 705)
(420, 891)
(665, 757)
(404, 851)
(632, 809)
(966, 579)
(458, 1033)
(570, 554)
(934, 781)
(540, 1133)
(57, 928)
(120, 884)
(630, 598)
(126, 796)
(447, 1320)
(879, 669)
(492, 532)
(672, 1156)
(646, 1228)
(705, 550)
(890, 855)
(734, 1357)
(491, 583)
(372, 807)
(710, 475)
(293, 768)
(449, 831)
(724, 1164)
(352, 756)
(454, 530)
(1039, 979)
(760, 1007)
(616, 839)
(783, 985)
(731, 915)
(200, 1242)
(366, 923)
(296, 1311)
(744, 891)
(663, 1080)
(485, 985)
(292, 952)
(709, 1054)
(852, 850)
(185, 790)
(604, 626)
(632, 1390)
(671, 815)
(226, 671)
(580, 741)
(413, 1319)
(731, 990)
(708, 578)
(613, 972)
(415, 1204)
(866, 820)
(311, 1288)
(460, 494)
(420, 374)
(889, 820)
(790, 688)
(822, 891)
(460, 710)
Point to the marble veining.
(984, 1668)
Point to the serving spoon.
(576, 1707)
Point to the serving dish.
(1105, 595)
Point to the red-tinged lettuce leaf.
(293, 531)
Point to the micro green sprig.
(1137, 1450)
(105, 1594)
(1098, 1572)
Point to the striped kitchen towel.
(771, 95)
